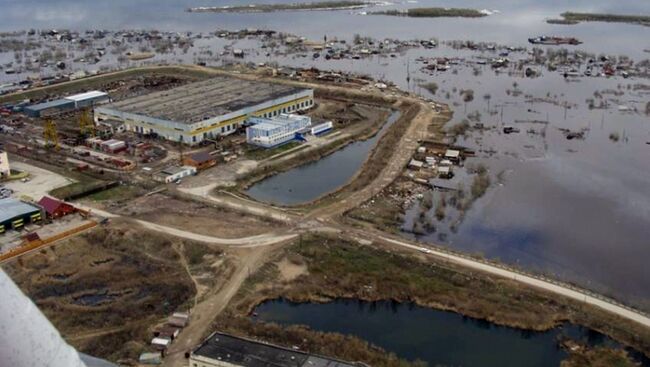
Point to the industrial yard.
(330, 190)
(200, 222)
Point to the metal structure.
(28, 339)
(50, 134)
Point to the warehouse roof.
(249, 353)
(50, 204)
(201, 157)
(11, 208)
(87, 95)
(202, 100)
(50, 104)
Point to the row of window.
(289, 109)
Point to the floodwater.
(515, 21)
(578, 209)
(436, 337)
(313, 180)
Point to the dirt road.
(547, 285)
(207, 310)
(252, 241)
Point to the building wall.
(272, 132)
(221, 125)
(187, 171)
(21, 221)
(200, 361)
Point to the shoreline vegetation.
(434, 13)
(570, 18)
(323, 268)
(268, 8)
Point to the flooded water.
(577, 208)
(436, 337)
(313, 180)
(515, 21)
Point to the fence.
(42, 242)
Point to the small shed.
(56, 208)
(453, 155)
(177, 321)
(415, 164)
(160, 343)
(151, 358)
(445, 172)
(174, 174)
(167, 332)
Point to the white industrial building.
(69, 103)
(274, 131)
(204, 110)
(173, 174)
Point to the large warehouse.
(14, 214)
(69, 103)
(206, 109)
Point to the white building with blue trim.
(274, 131)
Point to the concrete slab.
(40, 182)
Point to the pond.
(313, 180)
(436, 337)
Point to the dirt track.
(208, 309)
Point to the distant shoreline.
(434, 13)
(571, 18)
(268, 8)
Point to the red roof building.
(56, 208)
(200, 160)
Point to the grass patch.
(83, 184)
(434, 13)
(382, 212)
(338, 268)
(258, 153)
(118, 193)
(599, 357)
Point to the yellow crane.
(50, 134)
(86, 124)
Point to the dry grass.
(140, 270)
(341, 269)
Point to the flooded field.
(569, 192)
(435, 337)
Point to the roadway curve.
(266, 239)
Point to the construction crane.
(86, 124)
(50, 134)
